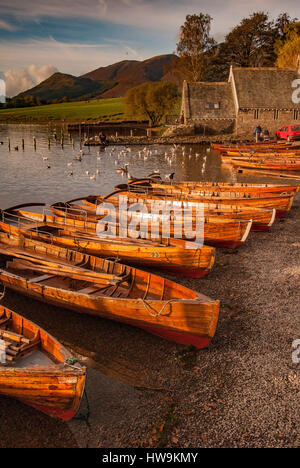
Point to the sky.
(40, 37)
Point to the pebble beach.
(142, 391)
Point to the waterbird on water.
(123, 170)
(170, 176)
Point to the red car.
(290, 132)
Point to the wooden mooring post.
(9, 144)
(23, 144)
(80, 141)
(34, 143)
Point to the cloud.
(7, 26)
(151, 26)
(166, 15)
(21, 80)
(74, 58)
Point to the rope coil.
(148, 309)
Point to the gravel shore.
(178, 140)
(242, 391)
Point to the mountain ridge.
(104, 82)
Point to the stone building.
(251, 97)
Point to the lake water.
(25, 177)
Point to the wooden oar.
(22, 264)
(61, 269)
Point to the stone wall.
(180, 130)
(246, 122)
(214, 126)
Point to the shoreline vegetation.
(111, 113)
(89, 111)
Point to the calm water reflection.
(24, 175)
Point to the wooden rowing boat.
(265, 146)
(36, 369)
(281, 202)
(280, 165)
(259, 172)
(228, 233)
(216, 187)
(260, 157)
(264, 154)
(173, 255)
(262, 220)
(107, 289)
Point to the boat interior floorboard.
(35, 359)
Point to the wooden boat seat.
(105, 289)
(17, 346)
(20, 265)
(39, 279)
(91, 290)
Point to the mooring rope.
(147, 307)
(3, 293)
(81, 417)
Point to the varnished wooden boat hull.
(176, 312)
(267, 165)
(227, 233)
(55, 390)
(262, 220)
(230, 234)
(218, 187)
(281, 202)
(174, 255)
(281, 145)
(264, 154)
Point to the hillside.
(105, 82)
(61, 85)
(130, 73)
(93, 110)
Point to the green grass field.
(102, 109)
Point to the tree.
(288, 51)
(194, 46)
(282, 25)
(151, 100)
(251, 43)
